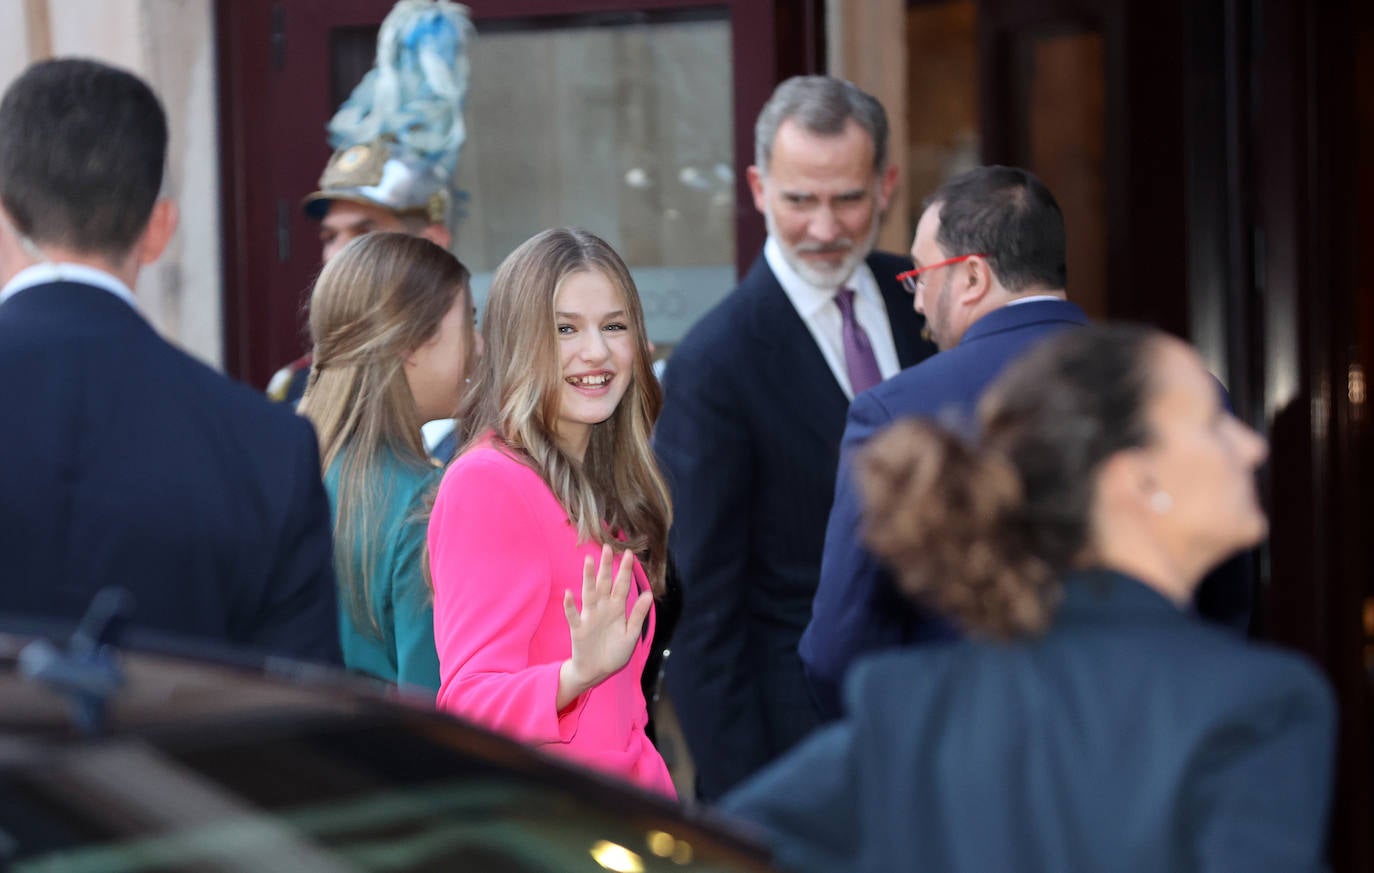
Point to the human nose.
(593, 348)
(919, 298)
(1255, 448)
(823, 226)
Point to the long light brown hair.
(515, 395)
(375, 302)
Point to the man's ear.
(755, 177)
(13, 258)
(886, 185)
(439, 235)
(162, 224)
(975, 280)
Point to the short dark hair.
(1007, 214)
(82, 149)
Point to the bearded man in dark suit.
(754, 407)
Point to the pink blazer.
(502, 552)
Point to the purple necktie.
(858, 351)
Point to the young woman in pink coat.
(548, 537)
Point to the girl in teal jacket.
(391, 317)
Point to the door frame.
(273, 77)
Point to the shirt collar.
(1007, 317)
(46, 273)
(807, 298)
(1031, 298)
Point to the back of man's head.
(822, 105)
(1009, 216)
(82, 147)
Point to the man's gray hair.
(822, 105)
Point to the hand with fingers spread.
(603, 636)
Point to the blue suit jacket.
(857, 608)
(749, 439)
(126, 462)
(1133, 738)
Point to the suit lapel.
(789, 358)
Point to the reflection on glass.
(1067, 98)
(625, 130)
(682, 852)
(1355, 385)
(617, 858)
(942, 95)
(661, 843)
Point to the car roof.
(220, 720)
(158, 690)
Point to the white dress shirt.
(1032, 298)
(42, 274)
(817, 309)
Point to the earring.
(1161, 502)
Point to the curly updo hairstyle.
(983, 530)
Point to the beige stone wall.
(170, 43)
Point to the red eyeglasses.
(908, 279)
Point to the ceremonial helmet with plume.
(398, 136)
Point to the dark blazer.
(857, 608)
(126, 462)
(749, 439)
(1132, 738)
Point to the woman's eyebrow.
(619, 313)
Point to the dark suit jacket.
(749, 439)
(1132, 738)
(126, 462)
(857, 608)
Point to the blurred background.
(1207, 154)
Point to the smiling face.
(596, 349)
(822, 200)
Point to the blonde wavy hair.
(375, 302)
(515, 396)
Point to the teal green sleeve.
(412, 608)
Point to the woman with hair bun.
(1091, 721)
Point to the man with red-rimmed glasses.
(989, 278)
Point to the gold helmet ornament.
(398, 136)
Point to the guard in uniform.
(395, 157)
